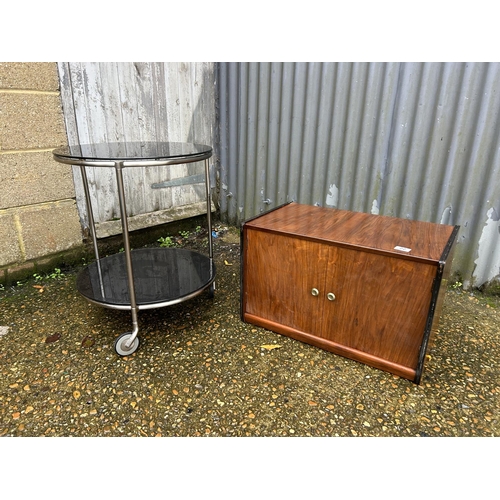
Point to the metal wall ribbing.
(412, 140)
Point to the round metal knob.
(330, 296)
(315, 292)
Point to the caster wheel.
(121, 344)
(211, 290)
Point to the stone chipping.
(201, 371)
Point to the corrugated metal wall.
(413, 140)
(109, 102)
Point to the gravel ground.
(200, 371)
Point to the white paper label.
(402, 249)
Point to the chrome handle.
(315, 292)
(330, 296)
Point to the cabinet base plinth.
(341, 350)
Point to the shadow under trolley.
(145, 278)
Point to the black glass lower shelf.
(162, 276)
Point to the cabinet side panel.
(441, 284)
(279, 274)
(444, 283)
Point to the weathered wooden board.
(121, 101)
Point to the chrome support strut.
(209, 209)
(90, 212)
(128, 256)
(90, 215)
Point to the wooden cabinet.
(364, 286)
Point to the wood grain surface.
(380, 233)
(382, 296)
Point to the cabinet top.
(402, 237)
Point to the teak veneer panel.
(385, 299)
(363, 231)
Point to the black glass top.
(133, 151)
(161, 275)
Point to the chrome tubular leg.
(128, 257)
(90, 213)
(209, 208)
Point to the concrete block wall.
(39, 221)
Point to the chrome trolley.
(144, 278)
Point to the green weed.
(166, 242)
(54, 275)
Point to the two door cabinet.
(367, 287)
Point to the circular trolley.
(145, 278)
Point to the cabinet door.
(381, 304)
(280, 274)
